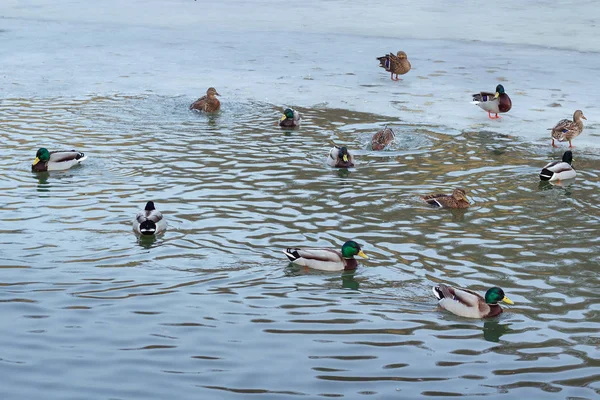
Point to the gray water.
(212, 309)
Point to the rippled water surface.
(211, 309)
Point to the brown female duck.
(458, 199)
(382, 138)
(395, 64)
(566, 130)
(208, 103)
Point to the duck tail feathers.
(148, 227)
(546, 174)
(437, 292)
(292, 254)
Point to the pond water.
(212, 309)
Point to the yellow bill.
(507, 300)
(496, 95)
(282, 117)
(345, 158)
(37, 160)
(363, 255)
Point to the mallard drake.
(568, 130)
(327, 259)
(382, 138)
(208, 103)
(559, 170)
(149, 221)
(290, 119)
(395, 64)
(56, 160)
(458, 199)
(340, 157)
(496, 103)
(466, 303)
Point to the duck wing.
(484, 96)
(150, 215)
(384, 61)
(199, 104)
(467, 297)
(320, 259)
(333, 156)
(65, 155)
(563, 128)
(462, 302)
(395, 63)
(318, 254)
(435, 200)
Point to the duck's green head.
(287, 114)
(42, 155)
(568, 157)
(351, 249)
(499, 90)
(495, 295)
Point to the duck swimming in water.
(208, 103)
(467, 303)
(56, 160)
(149, 221)
(327, 259)
(340, 157)
(290, 119)
(458, 199)
(559, 170)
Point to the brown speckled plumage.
(382, 138)
(458, 199)
(208, 103)
(395, 64)
(566, 130)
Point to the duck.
(568, 130)
(149, 221)
(340, 157)
(559, 170)
(395, 64)
(56, 160)
(382, 138)
(327, 259)
(208, 103)
(290, 119)
(496, 103)
(458, 199)
(469, 304)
